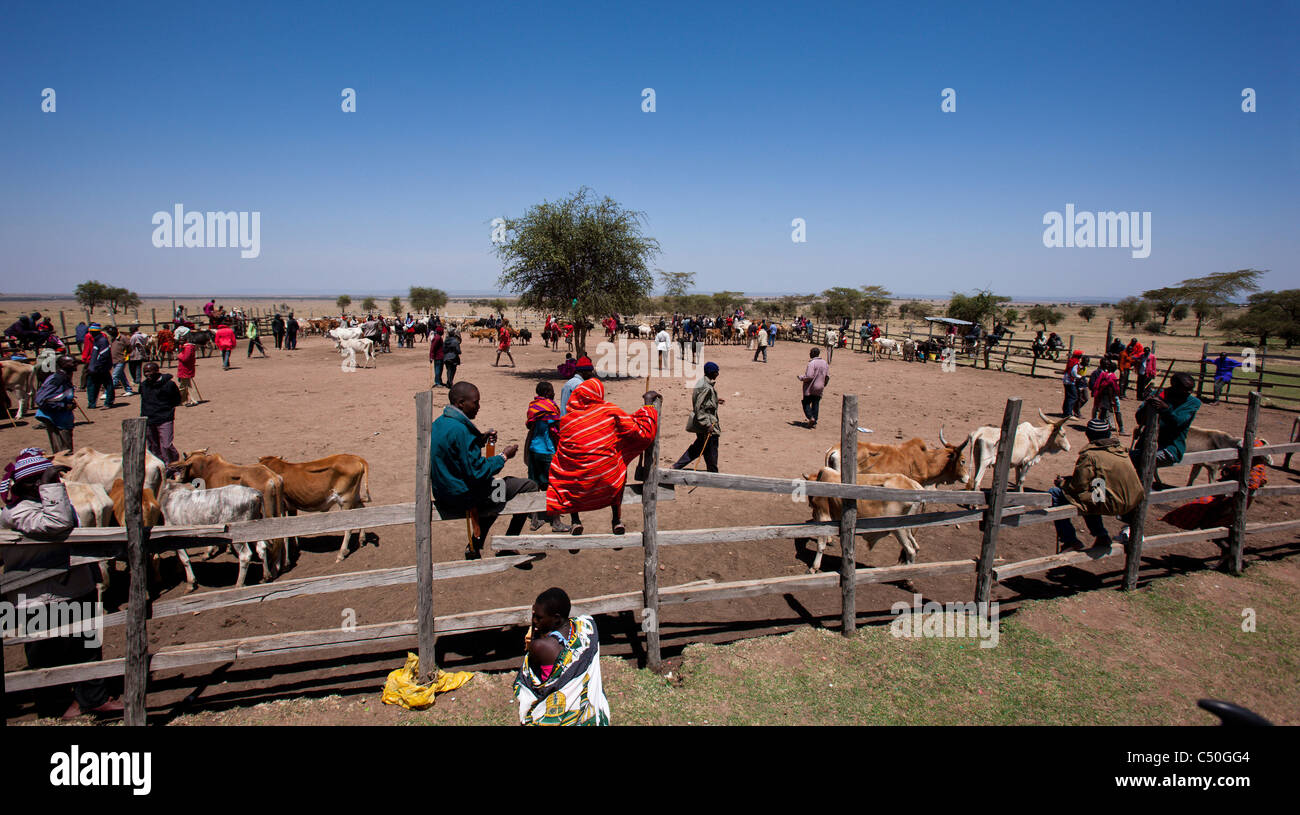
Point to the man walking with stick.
(704, 421)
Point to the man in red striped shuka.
(597, 440)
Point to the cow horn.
(942, 440)
(1043, 416)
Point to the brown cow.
(152, 517)
(913, 458)
(826, 509)
(315, 486)
(212, 471)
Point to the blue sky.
(764, 113)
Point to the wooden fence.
(994, 509)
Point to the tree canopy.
(1044, 316)
(1268, 314)
(977, 307)
(583, 256)
(1133, 310)
(343, 302)
(425, 299)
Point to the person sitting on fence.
(1223, 366)
(1174, 408)
(559, 682)
(597, 440)
(1104, 482)
(37, 505)
(461, 477)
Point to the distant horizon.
(460, 295)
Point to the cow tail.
(365, 477)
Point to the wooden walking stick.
(83, 413)
(195, 383)
(472, 526)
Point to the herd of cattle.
(915, 465)
(204, 488)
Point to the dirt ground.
(300, 405)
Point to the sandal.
(619, 529)
(576, 530)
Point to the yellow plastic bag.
(402, 688)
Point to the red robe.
(597, 440)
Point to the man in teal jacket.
(461, 477)
(1174, 409)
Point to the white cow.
(341, 334)
(1032, 443)
(349, 349)
(888, 346)
(183, 505)
(90, 466)
(644, 331)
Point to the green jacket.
(457, 467)
(1174, 424)
(704, 408)
(1119, 487)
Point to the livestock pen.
(994, 509)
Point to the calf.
(1031, 444)
(211, 470)
(150, 511)
(886, 345)
(825, 510)
(348, 349)
(316, 486)
(1202, 439)
(183, 505)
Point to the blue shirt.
(567, 392)
(1223, 368)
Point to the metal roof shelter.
(945, 321)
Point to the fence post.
(997, 497)
(1200, 380)
(848, 516)
(1237, 532)
(1137, 527)
(650, 548)
(136, 683)
(1110, 333)
(424, 537)
(1259, 383)
(1070, 353)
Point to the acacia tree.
(1087, 313)
(582, 256)
(118, 299)
(1213, 294)
(1165, 299)
(875, 301)
(1044, 316)
(395, 306)
(343, 302)
(424, 299)
(1269, 314)
(977, 307)
(90, 294)
(1133, 310)
(675, 286)
(368, 304)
